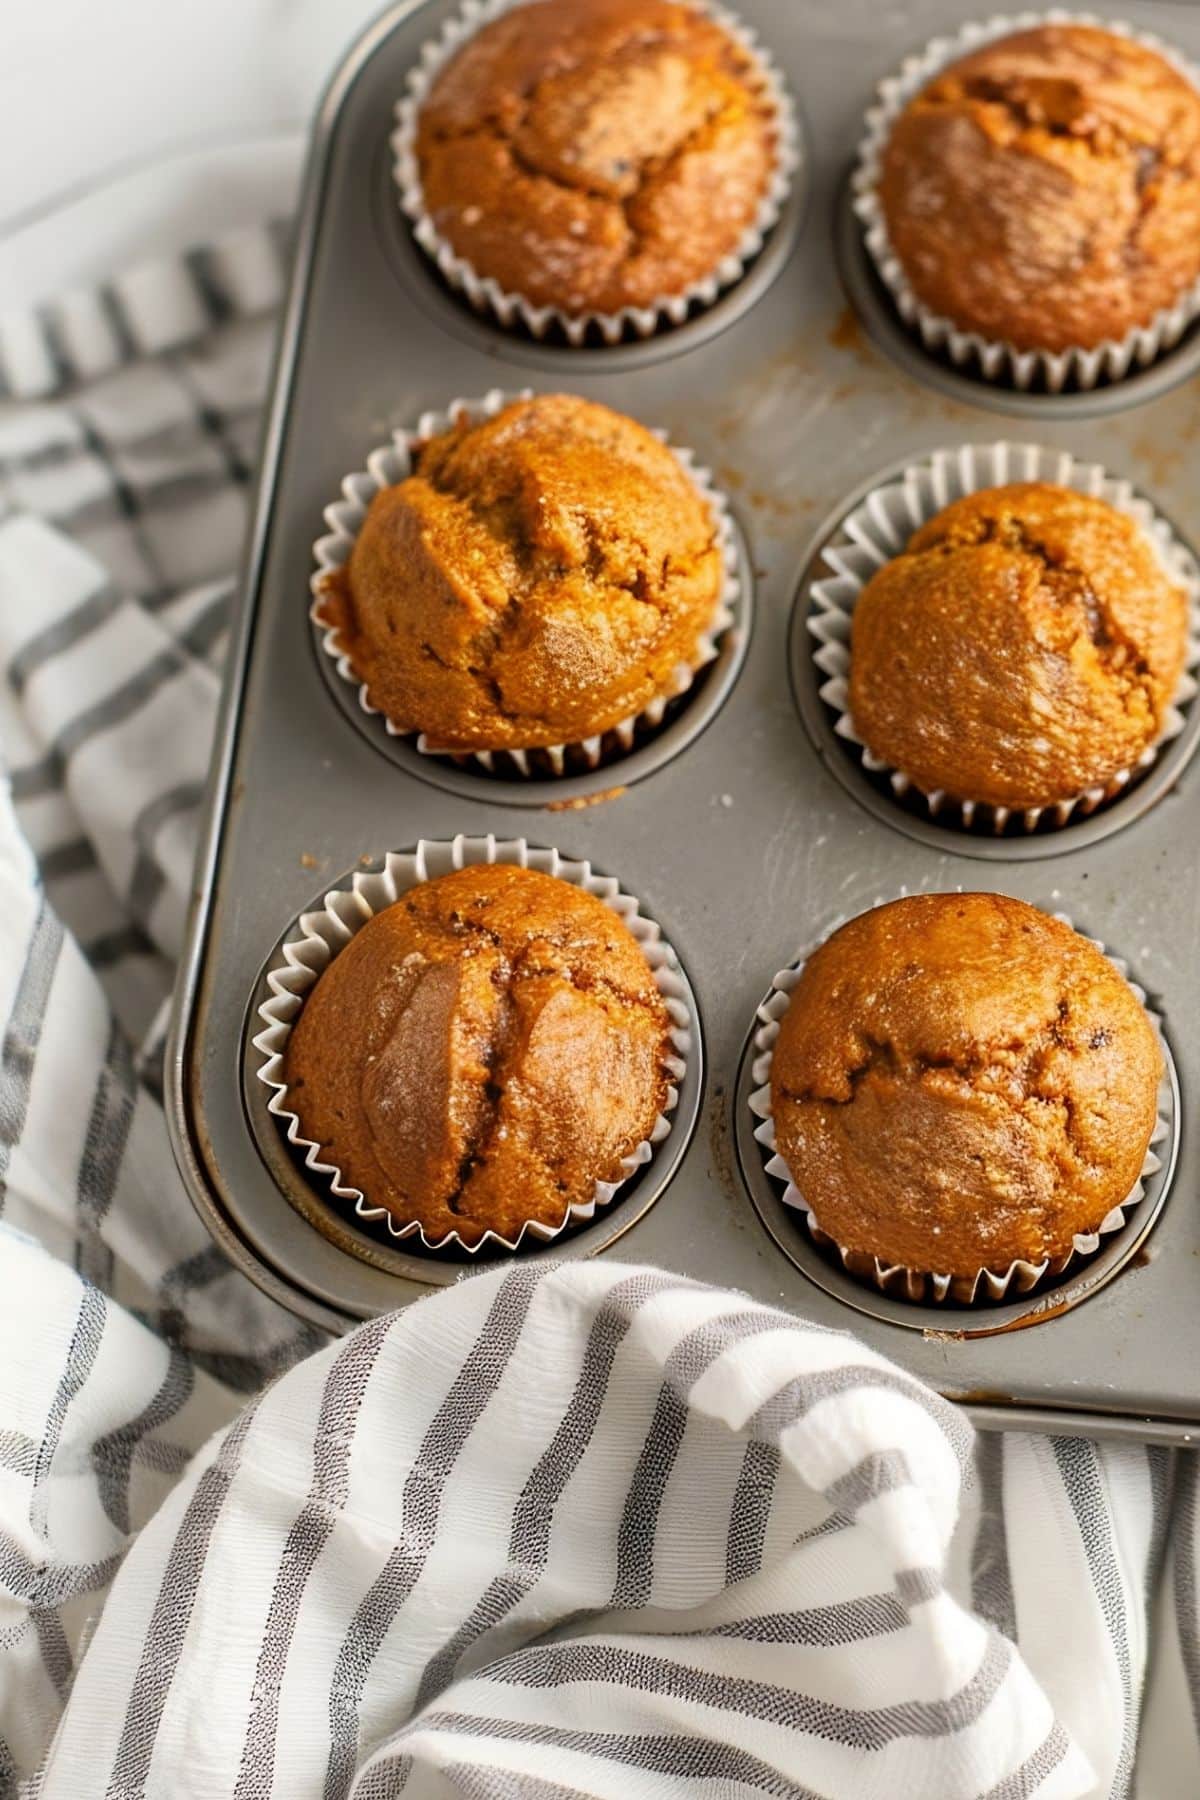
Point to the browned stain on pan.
(577, 802)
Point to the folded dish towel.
(577, 1529)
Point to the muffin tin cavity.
(553, 352)
(818, 1258)
(616, 181)
(318, 1191)
(963, 381)
(653, 747)
(585, 770)
(875, 523)
(1139, 306)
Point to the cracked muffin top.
(482, 1052)
(1045, 190)
(960, 1081)
(539, 577)
(1024, 648)
(597, 154)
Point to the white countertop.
(142, 125)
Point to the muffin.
(593, 155)
(482, 1053)
(1044, 191)
(1023, 649)
(541, 576)
(961, 1081)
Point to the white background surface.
(139, 126)
(134, 97)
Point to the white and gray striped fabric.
(562, 1530)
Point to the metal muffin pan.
(744, 840)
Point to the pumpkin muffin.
(540, 577)
(591, 155)
(1044, 191)
(482, 1053)
(1024, 648)
(960, 1081)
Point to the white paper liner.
(919, 1285)
(485, 293)
(878, 528)
(392, 463)
(1079, 367)
(318, 936)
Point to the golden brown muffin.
(597, 154)
(961, 1080)
(1045, 190)
(1024, 648)
(538, 578)
(482, 1053)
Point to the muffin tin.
(744, 839)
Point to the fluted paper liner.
(922, 1285)
(318, 936)
(1081, 366)
(486, 294)
(879, 527)
(392, 463)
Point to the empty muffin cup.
(1053, 369)
(393, 463)
(606, 185)
(318, 938)
(922, 1286)
(878, 528)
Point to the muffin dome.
(1045, 190)
(538, 578)
(482, 1053)
(592, 155)
(1024, 648)
(960, 1081)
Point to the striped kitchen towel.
(594, 1530)
(561, 1530)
